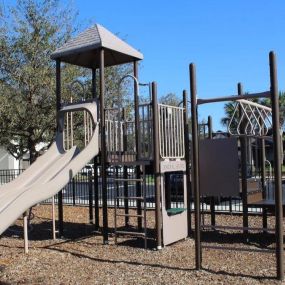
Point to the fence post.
(73, 191)
(96, 192)
(90, 197)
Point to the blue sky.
(229, 42)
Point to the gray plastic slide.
(50, 173)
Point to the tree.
(27, 75)
(170, 99)
(29, 32)
(229, 111)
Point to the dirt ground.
(81, 258)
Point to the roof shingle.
(83, 49)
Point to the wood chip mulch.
(81, 258)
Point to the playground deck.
(82, 259)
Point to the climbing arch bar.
(250, 118)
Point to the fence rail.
(7, 175)
(77, 191)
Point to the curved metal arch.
(120, 82)
(77, 81)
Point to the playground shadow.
(75, 231)
(136, 242)
(79, 232)
(259, 240)
(43, 231)
(159, 266)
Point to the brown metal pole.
(156, 161)
(262, 159)
(265, 94)
(262, 166)
(277, 166)
(243, 147)
(58, 106)
(138, 144)
(96, 184)
(125, 170)
(212, 199)
(58, 85)
(195, 166)
(103, 147)
(187, 160)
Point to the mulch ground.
(81, 258)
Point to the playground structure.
(252, 122)
(153, 142)
(156, 141)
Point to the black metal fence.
(82, 187)
(81, 190)
(7, 175)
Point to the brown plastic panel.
(218, 160)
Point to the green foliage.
(170, 99)
(27, 75)
(229, 111)
(29, 32)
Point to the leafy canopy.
(29, 32)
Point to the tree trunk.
(32, 148)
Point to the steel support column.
(187, 161)
(138, 143)
(103, 147)
(95, 163)
(195, 166)
(58, 106)
(277, 166)
(243, 148)
(156, 160)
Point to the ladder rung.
(130, 198)
(128, 180)
(130, 233)
(130, 215)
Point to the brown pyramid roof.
(83, 50)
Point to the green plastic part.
(175, 211)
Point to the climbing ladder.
(141, 212)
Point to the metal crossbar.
(171, 131)
(250, 118)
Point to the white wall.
(7, 161)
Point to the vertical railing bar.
(143, 138)
(162, 122)
(174, 133)
(183, 138)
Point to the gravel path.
(82, 259)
